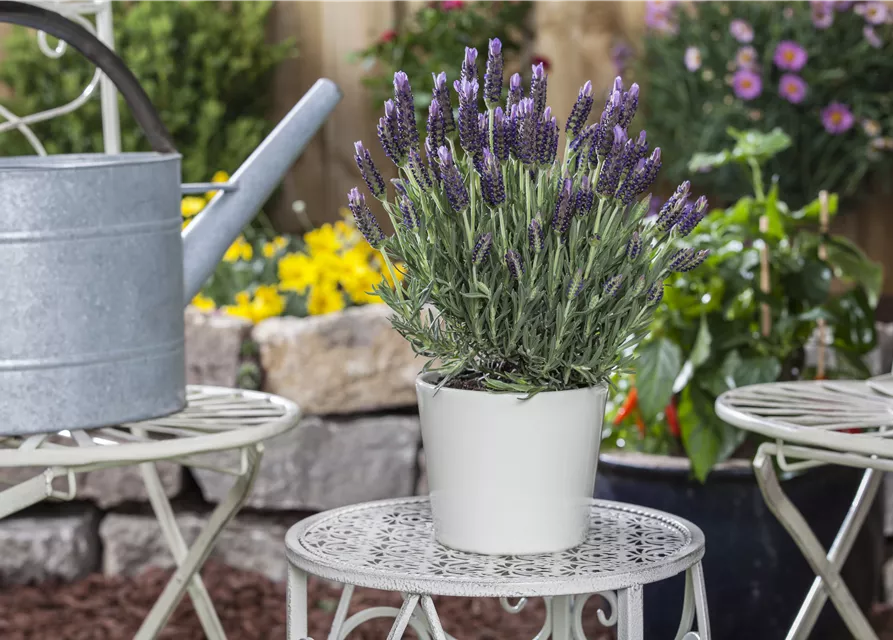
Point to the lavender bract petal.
(515, 92)
(469, 65)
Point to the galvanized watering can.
(94, 273)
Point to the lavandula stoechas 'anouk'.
(575, 286)
(547, 138)
(691, 216)
(638, 180)
(469, 128)
(493, 75)
(389, 134)
(612, 166)
(469, 65)
(481, 249)
(655, 293)
(538, 85)
(687, 259)
(580, 111)
(365, 219)
(612, 285)
(669, 214)
(492, 185)
(514, 94)
(410, 213)
(583, 199)
(419, 169)
(367, 169)
(442, 95)
(525, 125)
(634, 246)
(456, 193)
(514, 263)
(436, 128)
(564, 212)
(406, 126)
(535, 235)
(503, 134)
(628, 106)
(604, 130)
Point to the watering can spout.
(207, 238)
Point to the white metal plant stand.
(390, 545)
(81, 11)
(820, 422)
(215, 419)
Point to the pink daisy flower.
(792, 88)
(741, 30)
(837, 118)
(790, 56)
(746, 84)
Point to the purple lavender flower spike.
(388, 134)
(580, 111)
(670, 213)
(584, 138)
(469, 128)
(613, 165)
(524, 123)
(442, 95)
(367, 168)
(634, 246)
(410, 213)
(641, 147)
(502, 134)
(691, 216)
(681, 259)
(456, 193)
(399, 186)
(406, 126)
(492, 183)
(547, 138)
(584, 198)
(470, 65)
(610, 117)
(419, 169)
(493, 75)
(536, 236)
(612, 285)
(561, 221)
(629, 104)
(576, 284)
(655, 293)
(638, 181)
(538, 86)
(639, 287)
(365, 219)
(436, 126)
(514, 263)
(514, 94)
(481, 249)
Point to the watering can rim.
(77, 161)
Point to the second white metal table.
(390, 545)
(846, 423)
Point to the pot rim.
(425, 381)
(74, 161)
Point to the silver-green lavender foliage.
(522, 271)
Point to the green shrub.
(207, 67)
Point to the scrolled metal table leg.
(630, 614)
(297, 603)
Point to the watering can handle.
(57, 25)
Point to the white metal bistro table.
(215, 419)
(815, 423)
(390, 545)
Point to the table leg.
(561, 617)
(201, 549)
(700, 594)
(297, 603)
(630, 614)
(688, 608)
(792, 520)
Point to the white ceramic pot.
(508, 475)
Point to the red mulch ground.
(251, 607)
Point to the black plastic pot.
(756, 577)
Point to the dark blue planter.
(756, 577)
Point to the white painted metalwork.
(80, 11)
(846, 423)
(215, 419)
(390, 545)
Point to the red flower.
(388, 35)
(540, 59)
(449, 5)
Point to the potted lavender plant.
(526, 279)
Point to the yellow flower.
(330, 267)
(191, 206)
(267, 303)
(203, 303)
(243, 298)
(269, 249)
(360, 283)
(280, 242)
(325, 299)
(239, 250)
(322, 240)
(220, 176)
(297, 272)
(239, 312)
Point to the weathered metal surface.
(91, 316)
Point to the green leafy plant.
(821, 71)
(523, 272)
(206, 66)
(709, 335)
(433, 38)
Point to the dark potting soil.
(250, 606)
